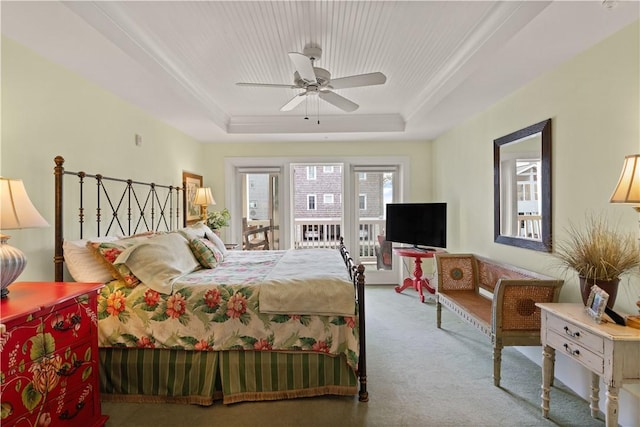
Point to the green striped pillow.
(205, 252)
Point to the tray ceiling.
(179, 60)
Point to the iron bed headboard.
(144, 207)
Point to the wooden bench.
(498, 299)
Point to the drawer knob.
(571, 352)
(570, 333)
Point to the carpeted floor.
(417, 376)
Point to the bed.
(181, 319)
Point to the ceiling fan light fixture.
(317, 81)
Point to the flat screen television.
(417, 224)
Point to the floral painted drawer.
(48, 346)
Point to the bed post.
(58, 259)
(362, 361)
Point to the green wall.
(594, 103)
(48, 111)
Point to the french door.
(313, 204)
(259, 203)
(374, 187)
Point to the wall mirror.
(522, 187)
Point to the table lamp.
(628, 188)
(628, 191)
(204, 199)
(16, 211)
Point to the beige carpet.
(418, 376)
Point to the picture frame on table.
(191, 183)
(597, 303)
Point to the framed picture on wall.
(191, 184)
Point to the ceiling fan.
(317, 81)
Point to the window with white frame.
(327, 169)
(362, 176)
(311, 173)
(311, 202)
(362, 202)
(328, 199)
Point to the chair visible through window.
(255, 237)
(383, 252)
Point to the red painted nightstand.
(417, 281)
(49, 355)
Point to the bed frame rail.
(124, 205)
(356, 272)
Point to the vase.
(609, 286)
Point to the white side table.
(608, 350)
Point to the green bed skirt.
(201, 377)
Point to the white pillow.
(82, 264)
(216, 241)
(200, 229)
(160, 260)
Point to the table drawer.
(73, 409)
(41, 334)
(576, 334)
(568, 347)
(28, 385)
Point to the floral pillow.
(206, 252)
(107, 252)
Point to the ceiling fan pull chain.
(306, 108)
(318, 104)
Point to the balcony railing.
(326, 232)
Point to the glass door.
(260, 210)
(374, 188)
(317, 205)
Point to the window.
(362, 201)
(311, 173)
(327, 169)
(362, 176)
(328, 199)
(311, 202)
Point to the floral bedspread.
(218, 309)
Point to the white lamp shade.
(16, 209)
(204, 197)
(628, 188)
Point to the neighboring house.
(318, 196)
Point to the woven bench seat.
(498, 299)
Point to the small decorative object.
(204, 198)
(596, 303)
(16, 211)
(191, 182)
(633, 321)
(218, 219)
(600, 254)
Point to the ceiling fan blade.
(303, 66)
(293, 103)
(370, 79)
(267, 85)
(339, 101)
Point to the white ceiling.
(179, 60)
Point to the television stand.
(417, 281)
